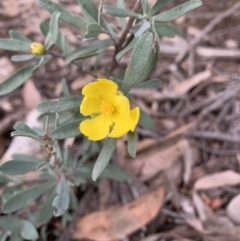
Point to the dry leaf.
(31, 96)
(118, 222)
(226, 178)
(233, 209)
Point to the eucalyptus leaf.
(157, 6)
(119, 12)
(143, 60)
(66, 16)
(14, 45)
(18, 167)
(145, 120)
(167, 30)
(19, 58)
(17, 79)
(23, 198)
(104, 157)
(88, 51)
(152, 83)
(52, 35)
(17, 35)
(67, 130)
(26, 134)
(132, 143)
(178, 11)
(126, 49)
(93, 30)
(59, 105)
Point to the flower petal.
(90, 105)
(124, 124)
(122, 105)
(97, 128)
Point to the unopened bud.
(37, 48)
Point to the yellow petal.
(102, 88)
(123, 124)
(122, 105)
(90, 105)
(97, 128)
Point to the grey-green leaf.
(67, 130)
(14, 45)
(121, 4)
(178, 11)
(17, 35)
(52, 36)
(144, 6)
(26, 134)
(145, 120)
(119, 12)
(143, 60)
(20, 126)
(132, 143)
(17, 79)
(157, 6)
(146, 25)
(19, 58)
(126, 49)
(104, 157)
(23, 198)
(18, 167)
(28, 231)
(88, 51)
(167, 30)
(66, 16)
(93, 30)
(59, 105)
(152, 83)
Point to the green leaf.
(152, 83)
(178, 11)
(59, 105)
(61, 43)
(144, 6)
(143, 60)
(46, 211)
(67, 130)
(104, 157)
(24, 157)
(167, 30)
(84, 52)
(20, 126)
(18, 167)
(121, 4)
(61, 201)
(14, 45)
(145, 120)
(26, 134)
(25, 57)
(23, 198)
(52, 35)
(17, 35)
(157, 6)
(132, 143)
(93, 30)
(66, 16)
(126, 49)
(3, 235)
(119, 12)
(17, 79)
(28, 231)
(65, 89)
(4, 179)
(146, 25)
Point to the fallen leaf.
(220, 179)
(118, 222)
(233, 209)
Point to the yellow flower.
(37, 48)
(109, 110)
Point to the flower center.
(106, 109)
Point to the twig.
(120, 42)
(206, 30)
(79, 212)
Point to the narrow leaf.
(59, 105)
(104, 157)
(25, 57)
(119, 12)
(146, 25)
(152, 83)
(20, 126)
(157, 6)
(65, 88)
(17, 79)
(143, 60)
(167, 30)
(93, 30)
(66, 16)
(145, 120)
(126, 49)
(132, 143)
(18, 167)
(26, 134)
(23, 198)
(144, 6)
(14, 45)
(67, 130)
(17, 35)
(20, 157)
(28, 231)
(121, 4)
(178, 11)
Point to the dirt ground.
(185, 181)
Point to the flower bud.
(37, 48)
